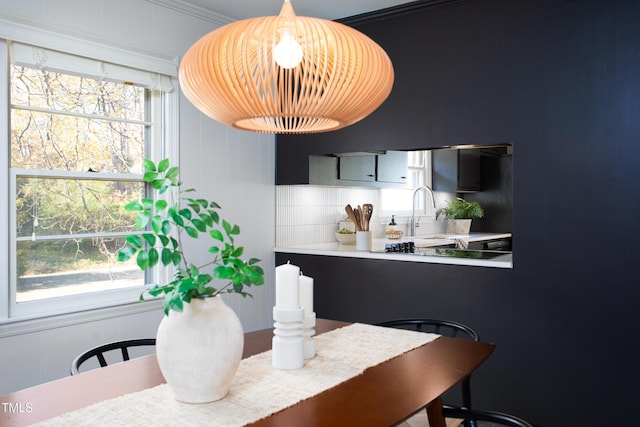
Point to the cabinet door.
(456, 170)
(469, 176)
(392, 167)
(358, 168)
(323, 170)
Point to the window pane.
(52, 206)
(56, 268)
(70, 143)
(416, 158)
(79, 95)
(56, 141)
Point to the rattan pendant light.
(286, 74)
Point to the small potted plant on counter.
(460, 212)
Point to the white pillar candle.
(306, 294)
(287, 286)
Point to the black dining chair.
(455, 415)
(99, 352)
(442, 327)
(493, 417)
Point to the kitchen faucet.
(413, 210)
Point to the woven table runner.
(258, 390)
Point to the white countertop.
(378, 247)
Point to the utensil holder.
(363, 240)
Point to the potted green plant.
(200, 339)
(460, 213)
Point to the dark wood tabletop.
(382, 396)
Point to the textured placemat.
(258, 390)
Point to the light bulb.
(287, 53)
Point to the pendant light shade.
(286, 74)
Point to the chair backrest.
(99, 352)
(445, 328)
(495, 418)
(438, 326)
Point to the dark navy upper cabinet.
(456, 171)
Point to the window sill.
(25, 325)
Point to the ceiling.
(327, 9)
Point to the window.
(396, 201)
(419, 175)
(79, 130)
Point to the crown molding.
(394, 11)
(193, 10)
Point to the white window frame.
(159, 74)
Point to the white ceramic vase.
(199, 350)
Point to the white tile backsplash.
(310, 214)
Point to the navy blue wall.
(560, 80)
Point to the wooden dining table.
(383, 395)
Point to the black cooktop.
(409, 249)
(460, 253)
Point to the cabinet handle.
(370, 174)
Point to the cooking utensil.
(354, 218)
(368, 212)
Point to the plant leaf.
(174, 243)
(192, 232)
(174, 303)
(222, 272)
(161, 204)
(199, 224)
(166, 256)
(166, 228)
(177, 258)
(142, 260)
(175, 216)
(226, 226)
(149, 238)
(142, 220)
(126, 253)
(186, 213)
(156, 223)
(193, 270)
(172, 174)
(153, 257)
(149, 165)
(238, 252)
(150, 176)
(163, 165)
(186, 285)
(147, 204)
(217, 234)
(134, 240)
(133, 206)
(164, 240)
